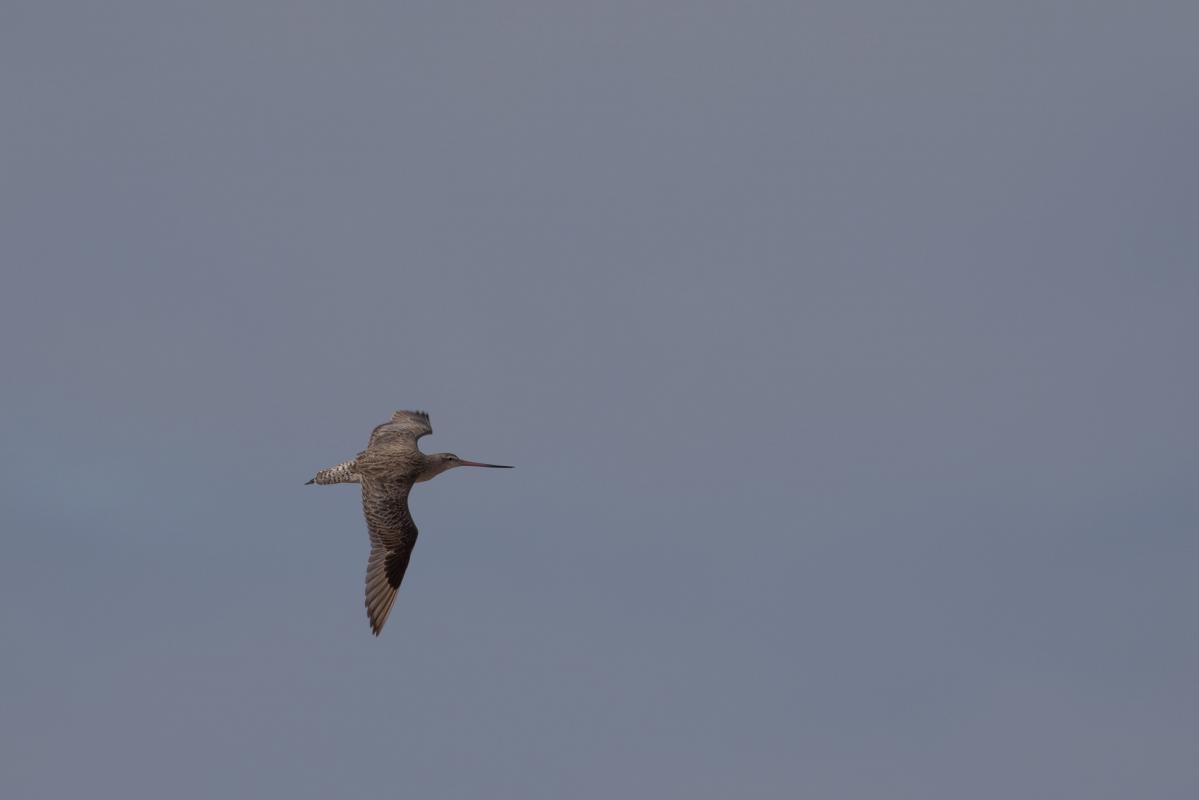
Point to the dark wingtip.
(309, 483)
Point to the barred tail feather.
(342, 473)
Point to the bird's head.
(440, 462)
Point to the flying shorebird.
(387, 468)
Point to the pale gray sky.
(846, 352)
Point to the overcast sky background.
(846, 352)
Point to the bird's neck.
(431, 467)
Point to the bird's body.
(386, 469)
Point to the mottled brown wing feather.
(393, 535)
(403, 426)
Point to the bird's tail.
(342, 473)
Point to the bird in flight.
(386, 469)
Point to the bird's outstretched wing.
(393, 535)
(404, 426)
